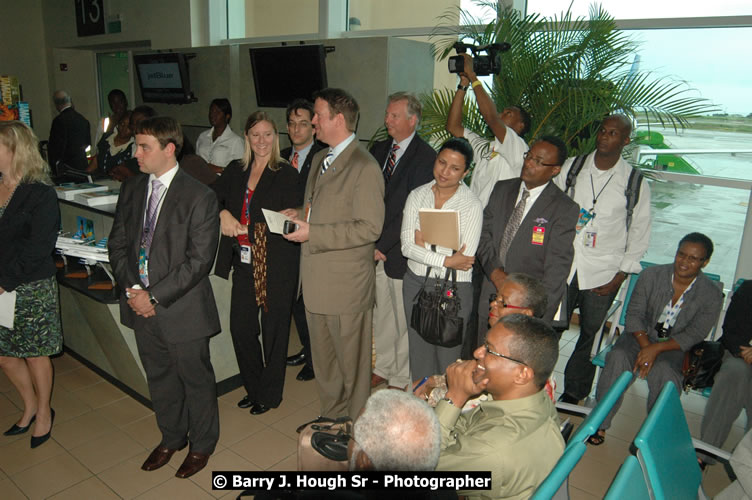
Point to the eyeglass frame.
(494, 297)
(537, 160)
(499, 355)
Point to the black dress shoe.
(296, 359)
(259, 408)
(245, 402)
(40, 440)
(306, 374)
(16, 430)
(566, 398)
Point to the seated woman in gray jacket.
(673, 307)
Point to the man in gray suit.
(341, 220)
(528, 227)
(161, 247)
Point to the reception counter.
(91, 317)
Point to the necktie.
(327, 161)
(389, 168)
(512, 226)
(151, 213)
(295, 160)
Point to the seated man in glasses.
(514, 433)
(528, 226)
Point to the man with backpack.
(613, 231)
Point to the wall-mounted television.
(283, 74)
(164, 77)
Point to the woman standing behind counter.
(448, 192)
(29, 222)
(260, 180)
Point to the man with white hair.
(395, 432)
(70, 135)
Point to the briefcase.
(322, 444)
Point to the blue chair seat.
(629, 483)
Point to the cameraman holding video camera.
(501, 158)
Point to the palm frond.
(568, 72)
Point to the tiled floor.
(101, 436)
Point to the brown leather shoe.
(193, 463)
(376, 380)
(157, 458)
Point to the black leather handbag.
(435, 315)
(701, 363)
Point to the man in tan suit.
(341, 219)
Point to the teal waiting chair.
(554, 485)
(595, 418)
(666, 452)
(629, 483)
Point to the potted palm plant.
(569, 73)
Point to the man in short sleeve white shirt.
(495, 160)
(604, 251)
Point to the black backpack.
(632, 192)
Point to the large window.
(645, 9)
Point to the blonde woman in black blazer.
(267, 279)
(29, 222)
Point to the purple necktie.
(151, 214)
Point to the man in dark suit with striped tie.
(407, 162)
(300, 155)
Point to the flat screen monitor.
(163, 77)
(283, 74)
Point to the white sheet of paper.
(274, 220)
(7, 309)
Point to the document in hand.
(7, 309)
(440, 227)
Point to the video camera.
(483, 65)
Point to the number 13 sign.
(89, 17)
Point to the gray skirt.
(428, 359)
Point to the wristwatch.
(448, 400)
(461, 87)
(152, 300)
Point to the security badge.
(539, 232)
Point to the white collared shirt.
(229, 146)
(166, 180)
(403, 145)
(613, 251)
(302, 155)
(419, 258)
(336, 150)
(531, 199)
(495, 161)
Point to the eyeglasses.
(537, 160)
(295, 125)
(689, 258)
(496, 298)
(489, 351)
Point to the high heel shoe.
(17, 429)
(40, 440)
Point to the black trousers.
(301, 324)
(263, 376)
(182, 387)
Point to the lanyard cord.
(592, 188)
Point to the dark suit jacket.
(276, 190)
(28, 232)
(306, 168)
(69, 137)
(180, 258)
(550, 262)
(414, 169)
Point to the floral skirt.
(36, 324)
